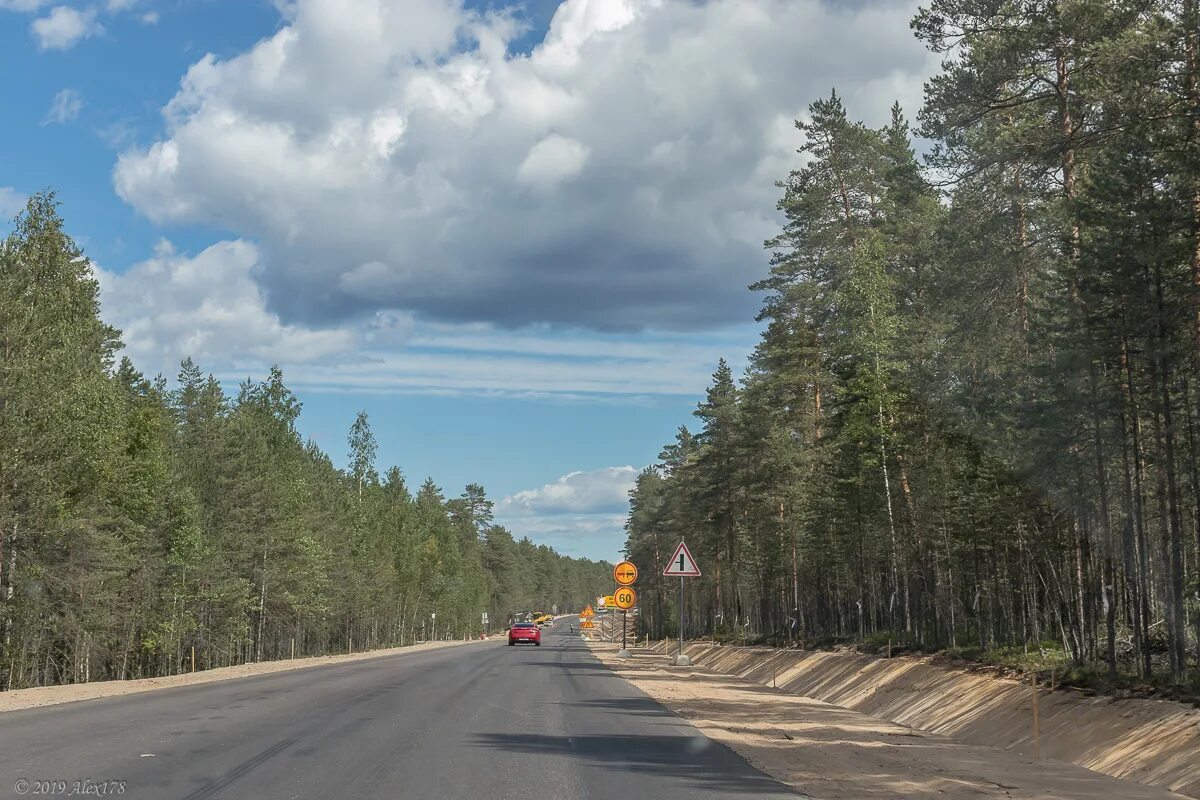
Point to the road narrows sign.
(682, 565)
(624, 598)
(587, 624)
(625, 573)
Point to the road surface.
(481, 721)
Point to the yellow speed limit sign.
(625, 573)
(624, 598)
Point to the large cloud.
(395, 154)
(210, 306)
(580, 513)
(595, 491)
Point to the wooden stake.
(293, 647)
(1037, 744)
(193, 658)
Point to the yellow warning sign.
(587, 612)
(587, 624)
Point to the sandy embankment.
(51, 695)
(836, 753)
(1155, 742)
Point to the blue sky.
(518, 236)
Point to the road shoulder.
(19, 699)
(834, 753)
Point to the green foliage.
(137, 524)
(972, 421)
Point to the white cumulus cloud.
(64, 27)
(207, 306)
(593, 491)
(401, 155)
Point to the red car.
(524, 632)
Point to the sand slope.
(835, 753)
(1155, 742)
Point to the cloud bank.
(401, 156)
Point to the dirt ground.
(52, 695)
(1151, 741)
(832, 753)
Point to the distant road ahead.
(481, 722)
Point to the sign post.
(681, 565)
(624, 598)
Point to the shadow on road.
(573, 666)
(688, 758)
(627, 705)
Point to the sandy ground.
(833, 753)
(52, 695)
(1150, 741)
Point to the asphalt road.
(481, 721)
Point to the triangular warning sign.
(586, 624)
(587, 612)
(682, 565)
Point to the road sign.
(682, 565)
(586, 625)
(587, 612)
(608, 601)
(485, 618)
(625, 573)
(624, 598)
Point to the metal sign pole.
(680, 616)
(624, 615)
(683, 565)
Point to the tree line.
(138, 521)
(973, 417)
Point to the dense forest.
(138, 522)
(973, 418)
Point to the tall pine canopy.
(139, 522)
(973, 418)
